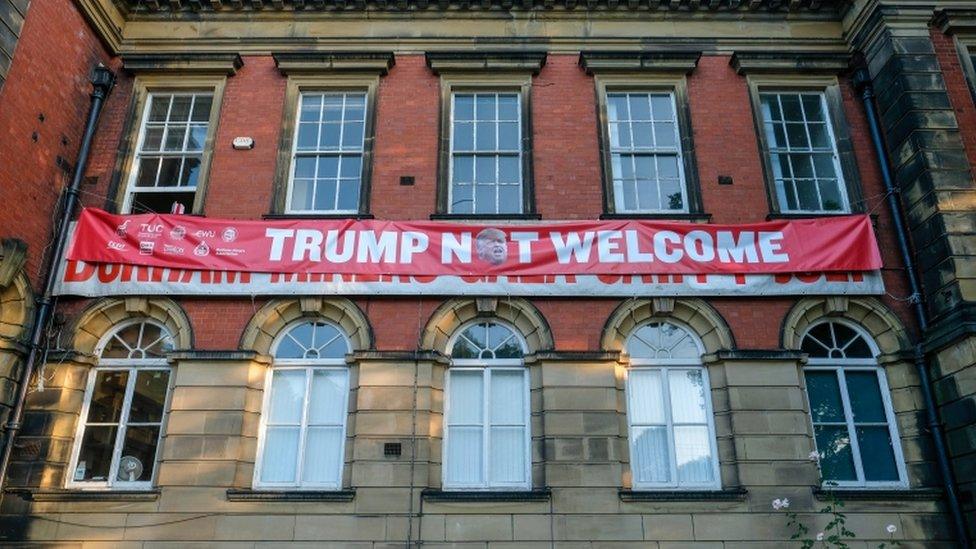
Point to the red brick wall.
(49, 77)
(407, 130)
(959, 94)
(567, 183)
(565, 145)
(240, 182)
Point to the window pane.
(160, 202)
(287, 396)
(506, 460)
(464, 107)
(149, 396)
(877, 455)
(348, 195)
(464, 454)
(180, 111)
(311, 106)
(323, 455)
(507, 400)
(191, 172)
(327, 403)
(465, 397)
(169, 173)
(836, 457)
(174, 138)
(485, 137)
(485, 197)
(693, 453)
(140, 444)
(824, 393)
(508, 107)
(508, 136)
(332, 108)
(687, 396)
(352, 135)
(95, 458)
(865, 396)
(650, 459)
(463, 137)
(509, 200)
(280, 454)
(107, 396)
(159, 107)
(148, 169)
(485, 106)
(308, 136)
(646, 397)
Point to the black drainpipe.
(102, 80)
(862, 81)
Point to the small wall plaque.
(243, 143)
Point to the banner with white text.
(621, 248)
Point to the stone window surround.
(793, 71)
(647, 72)
(110, 484)
(162, 73)
(483, 72)
(327, 72)
(307, 366)
(830, 88)
(840, 366)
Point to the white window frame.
(654, 152)
(339, 152)
(133, 366)
(130, 188)
(772, 152)
(665, 366)
(839, 366)
(495, 152)
(309, 366)
(488, 367)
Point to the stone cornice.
(481, 61)
(182, 63)
(330, 62)
(236, 6)
(955, 20)
(789, 62)
(666, 61)
(107, 20)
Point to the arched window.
(487, 439)
(672, 436)
(303, 427)
(118, 436)
(850, 405)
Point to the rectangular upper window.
(645, 153)
(486, 154)
(802, 153)
(327, 154)
(170, 151)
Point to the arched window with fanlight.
(850, 406)
(121, 419)
(487, 435)
(672, 435)
(303, 427)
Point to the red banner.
(626, 247)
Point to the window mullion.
(851, 427)
(486, 428)
(130, 386)
(303, 428)
(668, 417)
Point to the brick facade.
(579, 438)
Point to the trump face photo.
(491, 246)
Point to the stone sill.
(273, 216)
(730, 494)
(691, 217)
(35, 494)
(514, 496)
(337, 496)
(887, 494)
(487, 218)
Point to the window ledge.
(447, 496)
(485, 217)
(37, 494)
(318, 216)
(878, 494)
(693, 217)
(339, 496)
(808, 215)
(729, 494)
